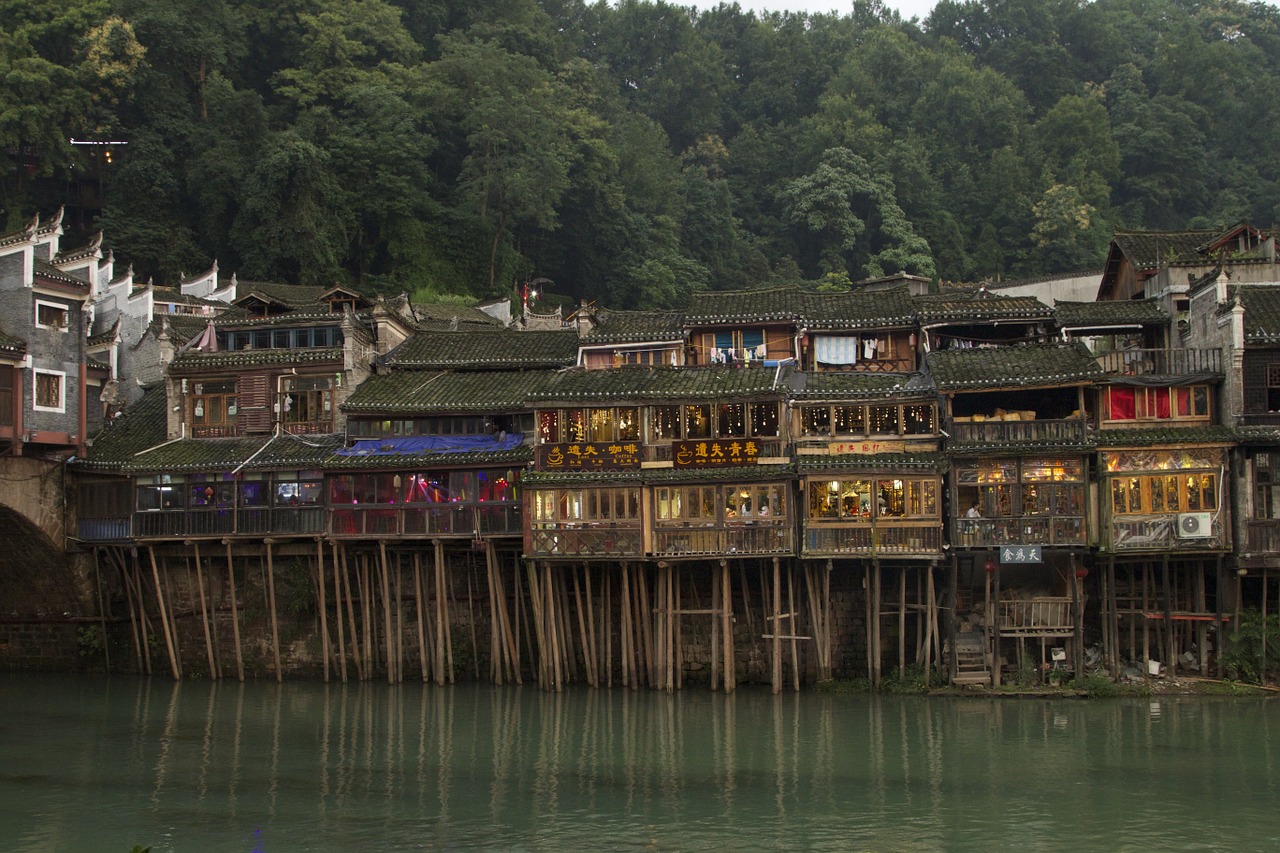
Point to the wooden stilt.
(170, 644)
(341, 648)
(717, 637)
(387, 629)
(776, 623)
(117, 556)
(356, 657)
(417, 600)
(726, 627)
(1201, 627)
(471, 614)
(441, 619)
(321, 584)
(626, 638)
(1146, 608)
(902, 622)
(235, 610)
(606, 597)
(791, 609)
(1113, 617)
(275, 622)
(582, 629)
(591, 626)
(930, 620)
(148, 630)
(204, 615)
(868, 588)
(1170, 651)
(877, 651)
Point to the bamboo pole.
(117, 557)
(337, 613)
(440, 612)
(648, 629)
(417, 598)
(324, 608)
(169, 640)
(235, 611)
(726, 627)
(628, 671)
(356, 657)
(275, 624)
(776, 671)
(791, 607)
(387, 630)
(582, 631)
(204, 615)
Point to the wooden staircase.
(973, 663)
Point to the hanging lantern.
(991, 567)
(1082, 573)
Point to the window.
(858, 420)
(51, 315)
(6, 395)
(213, 408)
(885, 497)
(298, 488)
(1164, 493)
(160, 492)
(1149, 404)
(586, 505)
(1048, 487)
(306, 404)
(50, 391)
(734, 346)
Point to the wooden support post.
(1171, 653)
(356, 656)
(321, 584)
(1077, 609)
(876, 600)
(1219, 628)
(117, 557)
(1113, 617)
(795, 628)
(587, 659)
(717, 639)
(993, 626)
(726, 626)
(1202, 630)
(418, 605)
(175, 665)
(275, 622)
(235, 610)
(902, 622)
(337, 613)
(591, 627)
(868, 618)
(204, 616)
(385, 589)
(930, 621)
(776, 622)
(626, 638)
(1146, 623)
(441, 617)
(953, 582)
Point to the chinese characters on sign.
(837, 448)
(588, 456)
(1020, 554)
(695, 454)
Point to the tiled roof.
(1163, 436)
(813, 464)
(142, 425)
(436, 312)
(104, 338)
(859, 309)
(1035, 366)
(1152, 249)
(88, 250)
(517, 457)
(316, 314)
(1258, 435)
(21, 235)
(494, 350)
(857, 385)
(1128, 312)
(635, 327)
(192, 361)
(182, 327)
(289, 295)
(11, 346)
(979, 307)
(46, 270)
(173, 294)
(771, 305)
(226, 454)
(639, 384)
(1261, 312)
(424, 392)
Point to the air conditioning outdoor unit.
(1195, 525)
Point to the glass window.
(665, 422)
(697, 421)
(549, 427)
(764, 420)
(732, 420)
(883, 420)
(850, 420)
(815, 420)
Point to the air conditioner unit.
(1195, 525)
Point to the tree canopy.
(632, 152)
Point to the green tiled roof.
(289, 295)
(142, 425)
(199, 362)
(856, 385)
(1162, 436)
(318, 314)
(658, 476)
(770, 305)
(635, 327)
(1035, 366)
(1129, 312)
(859, 309)
(517, 457)
(1153, 249)
(934, 462)
(11, 346)
(438, 312)
(424, 392)
(1258, 435)
(641, 384)
(494, 350)
(979, 307)
(1261, 312)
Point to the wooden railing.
(589, 540)
(425, 520)
(883, 537)
(225, 521)
(745, 539)
(994, 532)
(1161, 362)
(1263, 536)
(1069, 431)
(103, 529)
(1041, 616)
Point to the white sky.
(906, 8)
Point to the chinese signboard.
(836, 448)
(588, 456)
(1020, 554)
(709, 454)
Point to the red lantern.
(1082, 573)
(991, 567)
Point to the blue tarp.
(425, 444)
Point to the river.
(97, 764)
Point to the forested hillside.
(633, 152)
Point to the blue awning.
(420, 445)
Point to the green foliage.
(1098, 686)
(91, 642)
(912, 680)
(1245, 655)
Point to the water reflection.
(228, 766)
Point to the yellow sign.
(866, 446)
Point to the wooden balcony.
(585, 540)
(884, 537)
(1159, 533)
(748, 539)
(997, 532)
(225, 521)
(1039, 616)
(117, 529)
(1263, 538)
(1162, 362)
(1067, 431)
(425, 520)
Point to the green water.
(89, 764)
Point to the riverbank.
(1094, 686)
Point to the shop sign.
(710, 454)
(588, 456)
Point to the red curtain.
(1120, 406)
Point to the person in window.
(973, 511)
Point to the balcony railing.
(884, 537)
(1041, 616)
(745, 539)
(419, 520)
(586, 540)
(995, 532)
(103, 529)
(1264, 536)
(1159, 532)
(225, 521)
(1070, 431)
(1161, 362)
